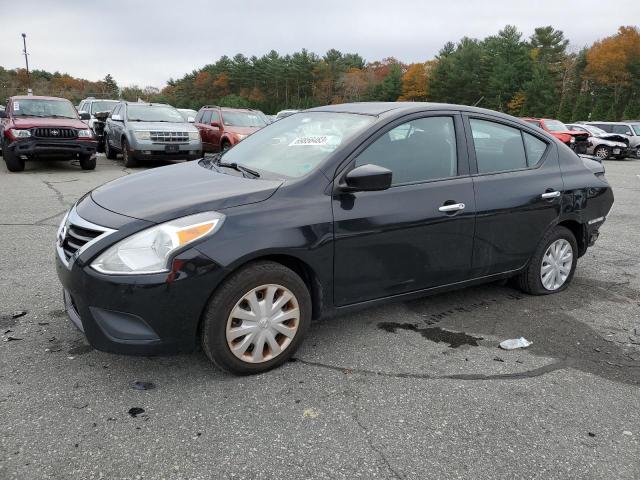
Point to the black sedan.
(328, 210)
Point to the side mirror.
(84, 115)
(366, 178)
(116, 118)
(191, 119)
(215, 124)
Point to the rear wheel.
(13, 161)
(127, 158)
(602, 152)
(108, 151)
(257, 319)
(87, 162)
(553, 264)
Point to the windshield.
(153, 113)
(555, 126)
(187, 114)
(242, 119)
(296, 145)
(636, 128)
(33, 107)
(593, 130)
(103, 106)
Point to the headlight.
(194, 135)
(142, 135)
(85, 133)
(15, 133)
(572, 140)
(150, 251)
(241, 137)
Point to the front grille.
(169, 137)
(77, 237)
(51, 132)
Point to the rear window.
(498, 147)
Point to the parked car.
(150, 131)
(35, 127)
(98, 109)
(221, 128)
(331, 210)
(188, 114)
(285, 113)
(629, 128)
(577, 140)
(602, 144)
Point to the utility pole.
(26, 61)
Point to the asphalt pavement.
(414, 390)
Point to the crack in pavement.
(59, 195)
(536, 372)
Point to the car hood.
(614, 137)
(165, 193)
(31, 122)
(163, 126)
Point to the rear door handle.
(548, 195)
(454, 207)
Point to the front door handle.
(454, 207)
(548, 195)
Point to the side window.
(206, 117)
(199, 116)
(605, 126)
(419, 150)
(497, 146)
(534, 147)
(81, 107)
(215, 116)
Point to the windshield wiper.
(240, 168)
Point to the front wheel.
(257, 319)
(108, 151)
(14, 162)
(553, 264)
(602, 152)
(87, 162)
(127, 157)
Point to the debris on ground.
(591, 434)
(310, 413)
(498, 359)
(11, 339)
(135, 411)
(18, 314)
(143, 385)
(514, 343)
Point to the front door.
(518, 192)
(417, 234)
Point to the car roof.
(397, 108)
(37, 97)
(608, 123)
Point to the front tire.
(602, 152)
(108, 151)
(87, 162)
(13, 161)
(127, 158)
(257, 319)
(553, 264)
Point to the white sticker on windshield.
(315, 141)
(16, 106)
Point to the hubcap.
(602, 153)
(263, 323)
(556, 264)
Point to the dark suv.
(221, 128)
(44, 127)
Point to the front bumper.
(138, 314)
(51, 147)
(164, 155)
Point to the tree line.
(535, 76)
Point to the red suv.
(44, 127)
(221, 128)
(575, 139)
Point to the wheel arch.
(579, 232)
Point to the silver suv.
(150, 131)
(631, 128)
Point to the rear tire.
(265, 283)
(108, 151)
(127, 158)
(530, 280)
(13, 161)
(87, 162)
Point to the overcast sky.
(146, 43)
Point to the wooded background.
(535, 76)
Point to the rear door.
(417, 234)
(205, 130)
(518, 188)
(215, 131)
